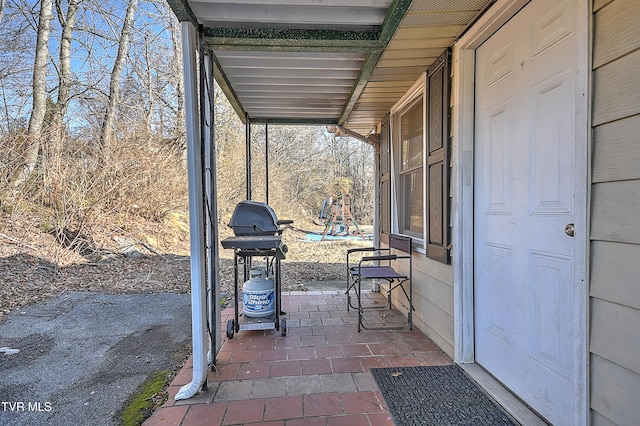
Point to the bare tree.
(149, 83)
(39, 109)
(166, 95)
(67, 22)
(177, 71)
(17, 44)
(111, 78)
(1, 9)
(158, 96)
(106, 133)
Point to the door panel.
(498, 296)
(550, 274)
(552, 124)
(524, 281)
(498, 159)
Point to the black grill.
(253, 218)
(258, 233)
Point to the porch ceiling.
(324, 61)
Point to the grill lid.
(254, 218)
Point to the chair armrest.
(383, 257)
(354, 250)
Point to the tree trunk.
(150, 93)
(64, 82)
(180, 129)
(106, 133)
(39, 108)
(1, 9)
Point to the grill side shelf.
(264, 242)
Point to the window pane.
(413, 201)
(411, 134)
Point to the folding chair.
(379, 267)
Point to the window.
(411, 170)
(421, 148)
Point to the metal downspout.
(196, 217)
(266, 161)
(248, 154)
(204, 134)
(213, 255)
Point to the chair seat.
(372, 272)
(371, 263)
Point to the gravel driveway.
(82, 355)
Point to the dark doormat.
(441, 395)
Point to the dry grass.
(119, 226)
(34, 267)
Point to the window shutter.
(385, 180)
(437, 187)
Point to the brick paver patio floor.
(317, 375)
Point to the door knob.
(569, 229)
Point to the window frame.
(404, 222)
(408, 99)
(435, 238)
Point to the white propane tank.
(258, 294)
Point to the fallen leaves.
(29, 276)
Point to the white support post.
(196, 217)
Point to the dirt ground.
(124, 261)
(125, 256)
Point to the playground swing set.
(336, 214)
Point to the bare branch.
(13, 240)
(114, 87)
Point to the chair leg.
(354, 285)
(409, 297)
(358, 294)
(348, 293)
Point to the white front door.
(526, 310)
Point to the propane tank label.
(258, 301)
